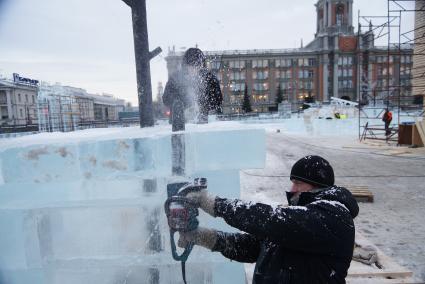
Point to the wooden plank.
(360, 192)
(420, 125)
(416, 138)
(378, 280)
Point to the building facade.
(65, 108)
(18, 101)
(419, 51)
(337, 63)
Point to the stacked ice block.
(88, 210)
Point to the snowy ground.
(395, 175)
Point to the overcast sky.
(89, 43)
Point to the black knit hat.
(194, 57)
(313, 170)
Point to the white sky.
(89, 43)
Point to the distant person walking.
(195, 85)
(387, 118)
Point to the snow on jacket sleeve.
(315, 228)
(237, 246)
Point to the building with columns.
(18, 101)
(338, 62)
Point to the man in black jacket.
(194, 85)
(310, 241)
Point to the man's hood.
(333, 193)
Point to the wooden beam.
(420, 126)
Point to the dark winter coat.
(309, 243)
(205, 88)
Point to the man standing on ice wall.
(310, 241)
(195, 84)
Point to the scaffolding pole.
(396, 93)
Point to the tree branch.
(128, 2)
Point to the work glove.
(366, 254)
(204, 200)
(204, 237)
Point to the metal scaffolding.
(392, 89)
(58, 113)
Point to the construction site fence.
(19, 128)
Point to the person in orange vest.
(387, 118)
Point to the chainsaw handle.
(183, 257)
(190, 188)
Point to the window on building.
(278, 63)
(261, 86)
(260, 75)
(286, 86)
(19, 98)
(310, 74)
(33, 99)
(302, 62)
(288, 62)
(260, 98)
(237, 76)
(339, 15)
(237, 64)
(4, 112)
(339, 72)
(3, 97)
(215, 64)
(405, 70)
(312, 62)
(308, 85)
(260, 63)
(237, 87)
(283, 62)
(26, 98)
(300, 74)
(300, 85)
(21, 113)
(288, 74)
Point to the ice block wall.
(90, 210)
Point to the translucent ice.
(87, 207)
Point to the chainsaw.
(182, 215)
